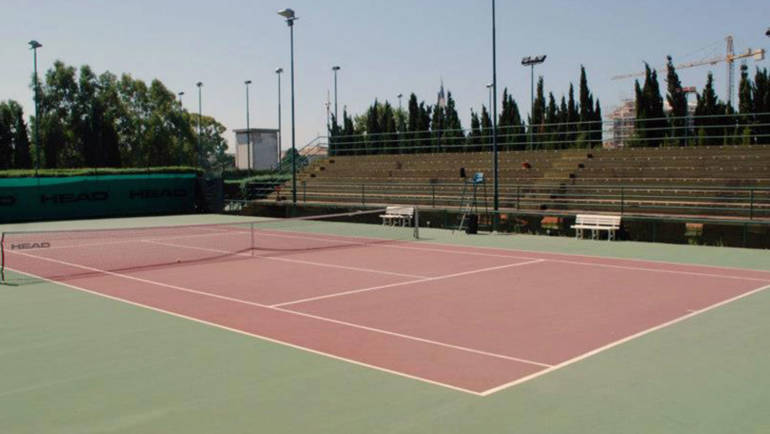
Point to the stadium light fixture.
(335, 69)
(767, 32)
(531, 61)
(34, 45)
(200, 132)
(290, 18)
(248, 127)
(399, 96)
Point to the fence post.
(751, 204)
(304, 191)
(363, 194)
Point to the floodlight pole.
(278, 72)
(35, 45)
(496, 200)
(248, 127)
(200, 132)
(335, 69)
(181, 145)
(489, 87)
(531, 62)
(290, 17)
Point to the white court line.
(621, 341)
(295, 261)
(255, 304)
(254, 335)
(658, 270)
(496, 255)
(410, 282)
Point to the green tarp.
(32, 199)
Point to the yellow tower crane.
(729, 58)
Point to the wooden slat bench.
(596, 223)
(401, 215)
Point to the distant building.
(622, 123)
(264, 148)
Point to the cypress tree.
(486, 130)
(474, 137)
(746, 107)
(572, 118)
(537, 119)
(586, 115)
(551, 121)
(650, 118)
(21, 146)
(677, 101)
(6, 137)
(454, 134)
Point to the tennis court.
(475, 320)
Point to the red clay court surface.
(473, 319)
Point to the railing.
(749, 203)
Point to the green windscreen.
(32, 199)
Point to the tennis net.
(76, 253)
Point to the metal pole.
(293, 141)
(248, 129)
(335, 96)
(37, 113)
(531, 104)
(280, 134)
(494, 119)
(181, 145)
(200, 131)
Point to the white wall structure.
(264, 148)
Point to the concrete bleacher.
(575, 179)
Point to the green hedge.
(62, 173)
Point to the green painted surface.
(73, 362)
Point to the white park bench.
(596, 223)
(401, 215)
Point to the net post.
(416, 223)
(2, 257)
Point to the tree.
(551, 139)
(761, 104)
(486, 130)
(474, 137)
(746, 107)
(20, 139)
(650, 118)
(712, 116)
(454, 128)
(573, 117)
(6, 137)
(677, 101)
(512, 131)
(537, 117)
(586, 110)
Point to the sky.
(383, 48)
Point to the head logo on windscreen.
(31, 246)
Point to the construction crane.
(730, 58)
